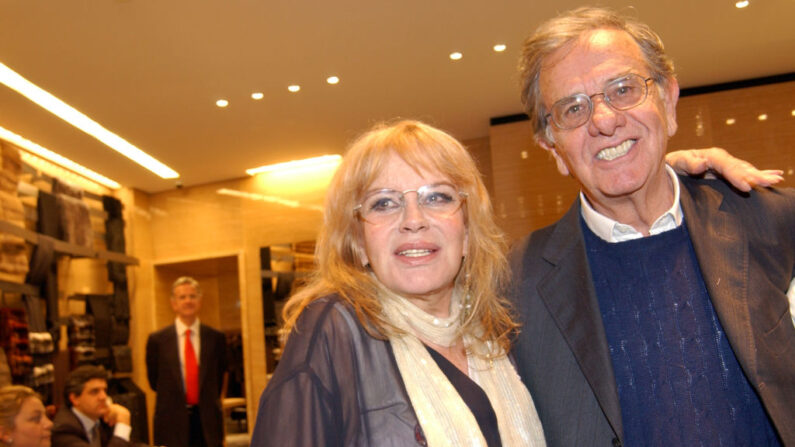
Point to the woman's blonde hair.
(341, 268)
(11, 399)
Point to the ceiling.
(151, 71)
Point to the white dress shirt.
(614, 231)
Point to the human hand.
(740, 173)
(117, 413)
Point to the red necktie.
(191, 372)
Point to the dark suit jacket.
(745, 245)
(162, 366)
(67, 431)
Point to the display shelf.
(65, 248)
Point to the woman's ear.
(361, 254)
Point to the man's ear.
(73, 398)
(550, 147)
(670, 99)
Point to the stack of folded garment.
(13, 254)
(74, 214)
(14, 340)
(43, 375)
(82, 344)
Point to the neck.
(437, 305)
(94, 420)
(187, 321)
(639, 209)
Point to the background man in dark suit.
(185, 363)
(655, 311)
(89, 419)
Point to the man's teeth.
(413, 253)
(611, 153)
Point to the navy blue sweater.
(679, 382)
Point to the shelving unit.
(65, 248)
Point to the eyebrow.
(607, 81)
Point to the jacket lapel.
(568, 293)
(205, 353)
(171, 345)
(723, 255)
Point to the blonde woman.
(23, 420)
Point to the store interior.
(153, 74)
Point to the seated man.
(89, 418)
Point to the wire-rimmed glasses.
(623, 93)
(384, 206)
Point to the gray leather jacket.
(335, 385)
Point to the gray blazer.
(745, 245)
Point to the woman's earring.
(467, 304)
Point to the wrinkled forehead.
(585, 64)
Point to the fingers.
(117, 414)
(740, 173)
(687, 162)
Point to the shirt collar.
(613, 231)
(182, 327)
(87, 422)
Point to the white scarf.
(444, 417)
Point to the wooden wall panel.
(529, 193)
(768, 143)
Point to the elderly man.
(186, 365)
(655, 311)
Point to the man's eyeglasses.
(623, 93)
(386, 205)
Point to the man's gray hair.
(569, 26)
(186, 280)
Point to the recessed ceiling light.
(456, 55)
(742, 4)
(257, 96)
(79, 120)
(333, 80)
(762, 117)
(500, 47)
(293, 88)
(730, 121)
(222, 103)
(793, 112)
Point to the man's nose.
(604, 118)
